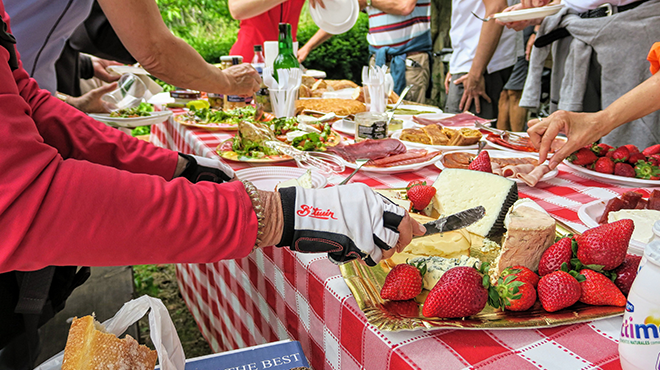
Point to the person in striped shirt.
(399, 36)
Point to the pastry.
(437, 135)
(415, 136)
(341, 107)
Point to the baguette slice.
(90, 347)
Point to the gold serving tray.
(365, 283)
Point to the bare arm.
(473, 82)
(319, 37)
(584, 128)
(244, 9)
(141, 29)
(396, 7)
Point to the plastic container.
(639, 343)
(370, 125)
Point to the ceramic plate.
(491, 143)
(614, 179)
(180, 118)
(412, 107)
(590, 213)
(501, 154)
(267, 178)
(224, 151)
(153, 118)
(408, 144)
(531, 13)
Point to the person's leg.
(16, 356)
(418, 73)
(503, 114)
(454, 95)
(494, 85)
(517, 114)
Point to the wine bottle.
(285, 58)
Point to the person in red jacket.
(75, 192)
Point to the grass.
(160, 281)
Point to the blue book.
(282, 355)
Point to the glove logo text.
(309, 211)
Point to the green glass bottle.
(285, 57)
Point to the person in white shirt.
(483, 57)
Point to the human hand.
(580, 128)
(303, 52)
(534, 3)
(91, 101)
(242, 79)
(473, 88)
(100, 69)
(204, 169)
(447, 81)
(519, 25)
(530, 45)
(348, 222)
(314, 3)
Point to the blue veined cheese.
(437, 266)
(458, 190)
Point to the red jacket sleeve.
(57, 211)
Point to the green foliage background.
(209, 28)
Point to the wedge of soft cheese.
(643, 220)
(396, 198)
(437, 266)
(458, 190)
(530, 231)
(304, 180)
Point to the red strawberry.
(654, 159)
(601, 149)
(605, 245)
(421, 196)
(604, 165)
(645, 170)
(460, 292)
(653, 149)
(521, 273)
(558, 254)
(626, 273)
(481, 163)
(415, 182)
(558, 290)
(583, 157)
(634, 157)
(403, 282)
(624, 169)
(620, 154)
(632, 149)
(520, 297)
(598, 290)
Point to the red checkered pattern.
(277, 294)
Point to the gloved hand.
(206, 169)
(348, 222)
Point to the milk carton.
(639, 344)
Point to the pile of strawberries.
(593, 268)
(419, 194)
(626, 160)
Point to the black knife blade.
(456, 221)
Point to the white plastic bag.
(163, 333)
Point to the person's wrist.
(604, 122)
(273, 222)
(181, 165)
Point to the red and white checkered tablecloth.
(276, 294)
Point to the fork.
(363, 161)
(481, 19)
(503, 134)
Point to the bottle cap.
(652, 252)
(257, 48)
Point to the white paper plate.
(395, 169)
(500, 154)
(590, 213)
(267, 178)
(155, 117)
(337, 17)
(421, 108)
(614, 179)
(531, 13)
(409, 144)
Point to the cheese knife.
(456, 221)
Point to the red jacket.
(74, 191)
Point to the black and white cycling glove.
(206, 169)
(348, 222)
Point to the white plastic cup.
(639, 343)
(130, 92)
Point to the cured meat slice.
(515, 170)
(532, 178)
(406, 162)
(456, 120)
(368, 149)
(615, 204)
(654, 201)
(387, 162)
(630, 199)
